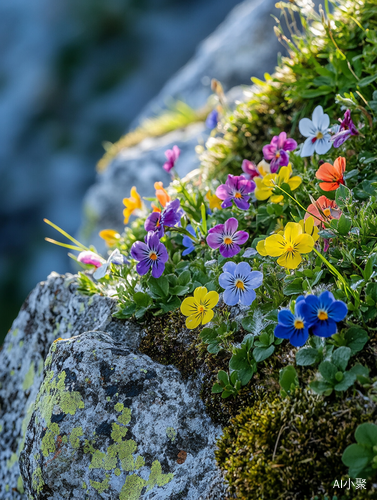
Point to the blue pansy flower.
(294, 327)
(212, 119)
(324, 312)
(239, 282)
(187, 242)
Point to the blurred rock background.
(76, 74)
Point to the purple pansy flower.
(151, 254)
(226, 238)
(324, 312)
(250, 169)
(187, 242)
(212, 119)
(239, 282)
(346, 129)
(172, 156)
(236, 188)
(170, 216)
(276, 151)
(294, 327)
(88, 257)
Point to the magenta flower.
(236, 188)
(346, 129)
(276, 151)
(170, 216)
(250, 169)
(151, 255)
(91, 258)
(172, 156)
(226, 238)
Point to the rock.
(244, 45)
(109, 422)
(139, 166)
(167, 415)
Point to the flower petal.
(255, 279)
(226, 280)
(229, 267)
(286, 318)
(306, 128)
(292, 231)
(299, 337)
(242, 269)
(329, 186)
(304, 243)
(247, 297)
(231, 296)
(324, 122)
(326, 172)
(228, 251)
(230, 226)
(242, 203)
(274, 245)
(290, 260)
(337, 311)
(317, 116)
(211, 299)
(261, 248)
(240, 237)
(207, 316)
(294, 182)
(139, 250)
(284, 332)
(308, 148)
(325, 328)
(143, 266)
(200, 293)
(189, 306)
(193, 321)
(321, 146)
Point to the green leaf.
(357, 456)
(140, 312)
(262, 353)
(360, 371)
(223, 377)
(317, 277)
(159, 286)
(239, 360)
(179, 290)
(173, 304)
(340, 357)
(288, 378)
(184, 278)
(356, 338)
(172, 278)
(207, 334)
(214, 348)
(142, 299)
(216, 389)
(328, 371)
(366, 435)
(344, 225)
(294, 288)
(368, 271)
(348, 380)
(306, 356)
(320, 386)
(371, 290)
(367, 80)
(343, 196)
(245, 375)
(226, 394)
(326, 233)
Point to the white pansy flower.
(316, 130)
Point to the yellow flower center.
(319, 135)
(290, 248)
(238, 195)
(228, 241)
(239, 284)
(277, 155)
(201, 309)
(327, 212)
(299, 324)
(153, 256)
(322, 315)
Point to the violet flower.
(170, 216)
(226, 238)
(212, 119)
(151, 255)
(236, 188)
(346, 129)
(172, 156)
(250, 169)
(276, 151)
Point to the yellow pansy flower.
(261, 248)
(309, 227)
(265, 186)
(110, 236)
(213, 201)
(132, 203)
(290, 246)
(199, 307)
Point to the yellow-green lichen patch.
(139, 462)
(125, 418)
(29, 377)
(156, 477)
(11, 373)
(84, 485)
(101, 486)
(48, 440)
(131, 489)
(118, 432)
(100, 460)
(9, 348)
(171, 433)
(20, 485)
(74, 437)
(37, 480)
(143, 370)
(57, 328)
(7, 488)
(81, 308)
(1, 427)
(21, 343)
(119, 407)
(48, 361)
(12, 460)
(40, 367)
(117, 472)
(65, 439)
(15, 332)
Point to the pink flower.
(91, 258)
(276, 151)
(172, 156)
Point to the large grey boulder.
(83, 410)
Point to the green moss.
(29, 377)
(100, 486)
(20, 485)
(291, 443)
(171, 433)
(131, 489)
(156, 477)
(119, 407)
(74, 437)
(125, 418)
(118, 432)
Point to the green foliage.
(361, 458)
(86, 285)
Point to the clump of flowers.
(198, 308)
(323, 210)
(236, 189)
(316, 130)
(239, 283)
(288, 246)
(331, 175)
(169, 217)
(132, 203)
(266, 186)
(151, 255)
(276, 151)
(251, 170)
(226, 238)
(172, 156)
(346, 130)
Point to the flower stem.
(65, 245)
(61, 231)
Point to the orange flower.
(323, 209)
(332, 175)
(132, 203)
(161, 193)
(110, 236)
(156, 208)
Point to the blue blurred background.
(74, 74)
